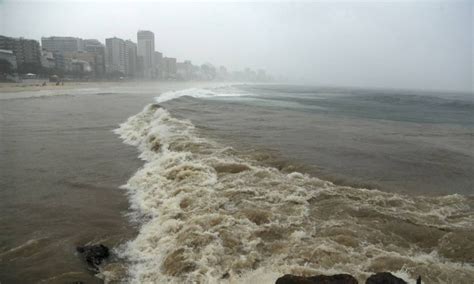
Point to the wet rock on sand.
(384, 278)
(94, 254)
(378, 278)
(319, 279)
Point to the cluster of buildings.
(22, 54)
(89, 59)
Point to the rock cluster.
(318, 279)
(94, 254)
(378, 278)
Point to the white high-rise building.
(169, 67)
(158, 67)
(130, 58)
(115, 59)
(146, 50)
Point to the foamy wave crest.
(211, 216)
(195, 93)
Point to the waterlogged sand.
(35, 87)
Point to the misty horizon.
(402, 45)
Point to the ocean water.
(246, 183)
(61, 167)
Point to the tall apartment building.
(96, 47)
(185, 70)
(62, 44)
(115, 55)
(146, 50)
(26, 51)
(131, 63)
(158, 58)
(169, 67)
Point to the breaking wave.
(195, 93)
(209, 215)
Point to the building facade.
(169, 67)
(80, 67)
(146, 50)
(47, 59)
(185, 70)
(10, 57)
(115, 55)
(131, 63)
(59, 61)
(82, 62)
(62, 44)
(96, 47)
(92, 45)
(26, 51)
(158, 58)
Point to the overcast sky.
(396, 44)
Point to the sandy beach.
(36, 85)
(34, 88)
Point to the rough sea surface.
(243, 184)
(235, 184)
(61, 167)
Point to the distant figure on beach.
(44, 84)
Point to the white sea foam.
(195, 93)
(210, 216)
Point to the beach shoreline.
(152, 88)
(36, 85)
(62, 168)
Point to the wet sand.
(36, 85)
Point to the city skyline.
(75, 58)
(81, 47)
(52, 48)
(402, 44)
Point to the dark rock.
(318, 279)
(384, 278)
(94, 255)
